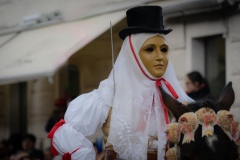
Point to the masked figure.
(127, 105)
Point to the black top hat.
(144, 19)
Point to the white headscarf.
(137, 110)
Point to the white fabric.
(133, 105)
(84, 116)
(134, 115)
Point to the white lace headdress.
(137, 110)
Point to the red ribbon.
(206, 120)
(184, 126)
(168, 85)
(237, 139)
(67, 156)
(172, 91)
(51, 133)
(234, 129)
(210, 117)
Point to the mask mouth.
(159, 65)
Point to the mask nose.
(159, 56)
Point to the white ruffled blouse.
(85, 115)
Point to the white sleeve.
(84, 116)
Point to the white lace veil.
(137, 111)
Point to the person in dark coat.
(28, 146)
(58, 113)
(197, 87)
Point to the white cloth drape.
(137, 110)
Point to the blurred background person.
(60, 107)
(28, 146)
(197, 87)
(4, 150)
(47, 154)
(15, 146)
(58, 113)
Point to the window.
(215, 68)
(208, 57)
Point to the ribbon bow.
(209, 118)
(67, 156)
(168, 85)
(171, 90)
(185, 126)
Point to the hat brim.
(133, 30)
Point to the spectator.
(48, 155)
(197, 87)
(58, 113)
(28, 146)
(21, 156)
(15, 145)
(4, 150)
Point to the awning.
(5, 39)
(40, 52)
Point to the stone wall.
(233, 60)
(177, 54)
(41, 96)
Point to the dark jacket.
(203, 93)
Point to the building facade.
(205, 37)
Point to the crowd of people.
(23, 147)
(19, 147)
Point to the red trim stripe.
(169, 87)
(135, 56)
(163, 105)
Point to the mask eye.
(150, 49)
(164, 50)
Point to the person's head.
(48, 155)
(28, 142)
(4, 149)
(193, 81)
(15, 142)
(153, 51)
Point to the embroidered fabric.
(137, 110)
